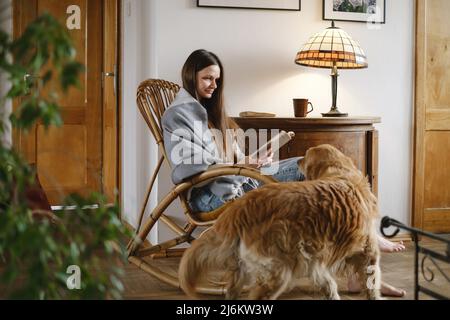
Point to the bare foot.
(391, 291)
(386, 289)
(389, 246)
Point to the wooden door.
(74, 157)
(431, 195)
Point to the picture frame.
(368, 11)
(286, 5)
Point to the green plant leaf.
(36, 253)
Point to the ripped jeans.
(203, 200)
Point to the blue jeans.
(203, 200)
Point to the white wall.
(139, 154)
(258, 47)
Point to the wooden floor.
(397, 270)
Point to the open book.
(275, 143)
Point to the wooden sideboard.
(354, 136)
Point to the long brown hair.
(217, 116)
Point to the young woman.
(195, 137)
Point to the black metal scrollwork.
(442, 272)
(429, 255)
(386, 222)
(430, 271)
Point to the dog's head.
(326, 161)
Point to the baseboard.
(402, 236)
(133, 231)
(128, 226)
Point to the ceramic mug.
(301, 107)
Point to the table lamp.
(332, 48)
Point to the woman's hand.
(267, 159)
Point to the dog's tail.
(210, 250)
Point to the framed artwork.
(290, 5)
(369, 11)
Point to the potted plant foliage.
(69, 255)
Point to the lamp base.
(334, 113)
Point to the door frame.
(116, 161)
(20, 11)
(423, 217)
(119, 20)
(419, 117)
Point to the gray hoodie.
(191, 149)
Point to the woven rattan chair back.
(153, 98)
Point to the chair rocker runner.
(153, 97)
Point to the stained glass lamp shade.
(332, 48)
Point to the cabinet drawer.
(356, 137)
(352, 144)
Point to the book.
(253, 114)
(276, 142)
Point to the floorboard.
(397, 270)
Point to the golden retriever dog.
(280, 232)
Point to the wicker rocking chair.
(153, 97)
